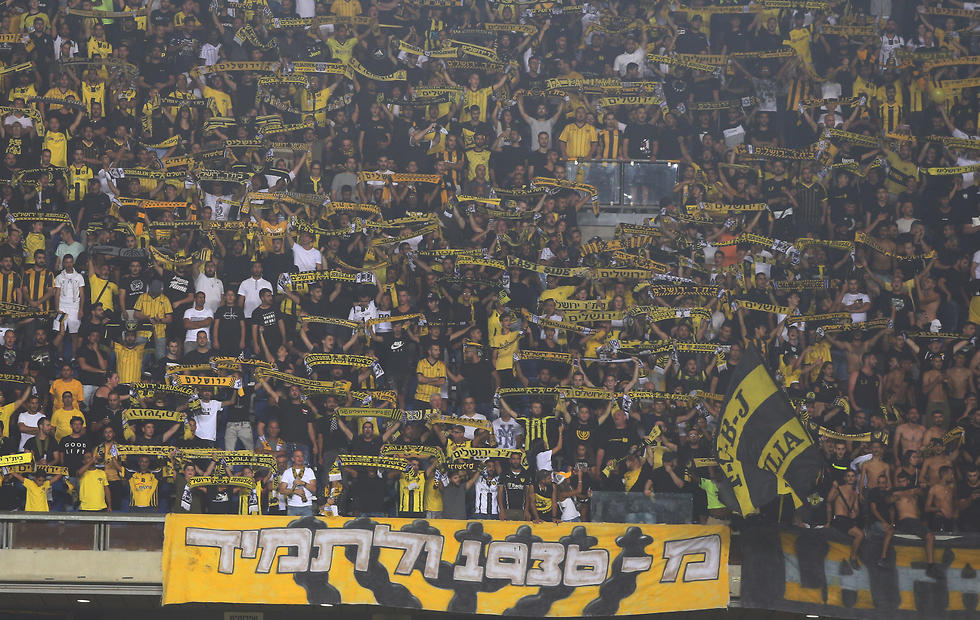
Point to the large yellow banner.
(485, 567)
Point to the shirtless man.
(895, 385)
(933, 464)
(908, 436)
(934, 385)
(937, 428)
(959, 382)
(928, 297)
(940, 502)
(905, 498)
(856, 347)
(875, 467)
(842, 513)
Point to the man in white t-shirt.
(249, 291)
(197, 318)
(508, 431)
(28, 420)
(363, 310)
(207, 420)
(468, 411)
(208, 283)
(632, 54)
(298, 485)
(853, 301)
(68, 287)
(305, 256)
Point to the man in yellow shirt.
(156, 308)
(431, 374)
(7, 410)
(101, 289)
(62, 416)
(129, 358)
(56, 139)
(473, 95)
(579, 140)
(37, 487)
(94, 494)
(221, 104)
(61, 90)
(67, 383)
(504, 345)
(144, 487)
(478, 155)
(342, 44)
(346, 8)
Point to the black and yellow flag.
(761, 441)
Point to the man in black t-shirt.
(515, 491)
(968, 496)
(399, 356)
(43, 356)
(132, 285)
(43, 446)
(367, 442)
(75, 445)
(229, 326)
(477, 373)
(268, 327)
(616, 436)
(295, 420)
(368, 493)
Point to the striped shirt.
(610, 143)
(430, 371)
(578, 140)
(37, 282)
(9, 283)
(478, 97)
(811, 199)
(891, 116)
(410, 496)
(485, 498)
(129, 362)
(155, 307)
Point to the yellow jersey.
(6, 412)
(506, 346)
(57, 143)
(91, 490)
(346, 8)
(78, 178)
(93, 93)
(479, 97)
(61, 420)
(37, 495)
(425, 391)
(578, 140)
(129, 362)
(143, 489)
(157, 307)
(411, 490)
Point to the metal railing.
(81, 532)
(633, 185)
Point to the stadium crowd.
(345, 237)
